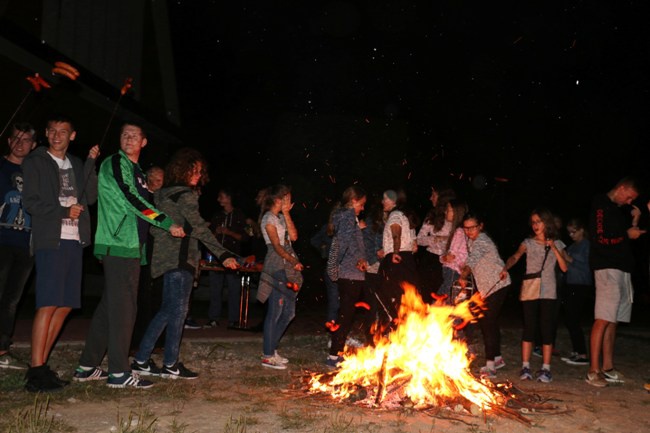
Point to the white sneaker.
(281, 359)
(273, 362)
(613, 376)
(486, 373)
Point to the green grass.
(35, 419)
(293, 419)
(236, 425)
(140, 421)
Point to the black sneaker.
(128, 380)
(42, 379)
(145, 369)
(191, 324)
(212, 324)
(55, 377)
(575, 359)
(95, 373)
(177, 371)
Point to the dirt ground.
(235, 394)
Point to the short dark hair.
(629, 182)
(133, 123)
(60, 118)
(24, 127)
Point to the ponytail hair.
(267, 197)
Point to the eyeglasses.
(470, 228)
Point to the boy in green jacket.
(124, 217)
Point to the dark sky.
(554, 99)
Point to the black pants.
(489, 323)
(430, 273)
(573, 300)
(393, 275)
(350, 292)
(112, 323)
(542, 312)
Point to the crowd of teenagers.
(450, 252)
(149, 226)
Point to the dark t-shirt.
(235, 221)
(16, 223)
(141, 185)
(610, 246)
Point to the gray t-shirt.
(278, 222)
(534, 258)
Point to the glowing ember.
(420, 360)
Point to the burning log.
(381, 380)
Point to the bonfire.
(422, 363)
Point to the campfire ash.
(421, 364)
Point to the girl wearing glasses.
(485, 265)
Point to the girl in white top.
(398, 264)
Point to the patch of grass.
(237, 425)
(142, 421)
(35, 420)
(178, 427)
(175, 390)
(12, 380)
(296, 419)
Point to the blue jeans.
(281, 310)
(233, 282)
(449, 276)
(177, 287)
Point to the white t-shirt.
(278, 222)
(67, 197)
(406, 241)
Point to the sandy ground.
(235, 394)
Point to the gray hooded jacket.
(181, 203)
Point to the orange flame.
(421, 357)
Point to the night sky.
(517, 106)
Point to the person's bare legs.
(526, 350)
(608, 346)
(47, 324)
(547, 353)
(596, 344)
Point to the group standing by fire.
(459, 254)
(46, 193)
